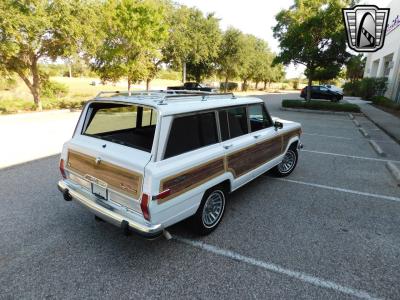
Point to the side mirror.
(278, 125)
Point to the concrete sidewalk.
(29, 136)
(387, 122)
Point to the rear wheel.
(335, 99)
(210, 211)
(288, 163)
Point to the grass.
(321, 105)
(19, 99)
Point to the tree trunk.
(265, 85)
(226, 84)
(148, 80)
(244, 85)
(70, 70)
(184, 72)
(34, 86)
(256, 85)
(129, 87)
(309, 88)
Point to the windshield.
(129, 125)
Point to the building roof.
(178, 102)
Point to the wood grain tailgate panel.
(117, 178)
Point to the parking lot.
(328, 231)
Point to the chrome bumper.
(109, 213)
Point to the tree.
(193, 43)
(33, 30)
(232, 54)
(262, 64)
(134, 31)
(257, 61)
(355, 67)
(310, 34)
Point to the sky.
(255, 17)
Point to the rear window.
(129, 125)
(191, 132)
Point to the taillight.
(144, 205)
(162, 195)
(62, 170)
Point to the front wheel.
(288, 163)
(210, 211)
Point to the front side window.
(190, 133)
(129, 125)
(233, 122)
(259, 118)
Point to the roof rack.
(161, 96)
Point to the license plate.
(99, 191)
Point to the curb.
(394, 171)
(322, 112)
(356, 123)
(377, 148)
(351, 116)
(395, 138)
(363, 132)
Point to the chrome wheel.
(213, 209)
(288, 162)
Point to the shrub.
(15, 105)
(295, 84)
(8, 83)
(366, 88)
(53, 89)
(321, 105)
(231, 86)
(352, 88)
(386, 102)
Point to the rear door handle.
(227, 146)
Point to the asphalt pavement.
(328, 231)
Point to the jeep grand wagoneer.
(146, 161)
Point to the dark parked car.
(193, 86)
(322, 92)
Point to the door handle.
(227, 146)
(256, 136)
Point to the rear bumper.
(117, 216)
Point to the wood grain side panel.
(287, 136)
(250, 158)
(117, 178)
(191, 178)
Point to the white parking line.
(346, 138)
(351, 156)
(277, 269)
(327, 187)
(329, 136)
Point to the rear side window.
(259, 118)
(191, 132)
(233, 122)
(129, 125)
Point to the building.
(386, 61)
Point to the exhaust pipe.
(67, 196)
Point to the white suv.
(146, 161)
